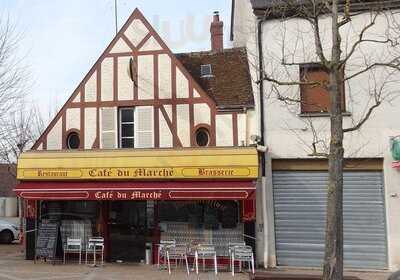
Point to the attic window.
(206, 71)
(73, 141)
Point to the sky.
(61, 39)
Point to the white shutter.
(144, 127)
(108, 128)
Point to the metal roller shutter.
(300, 201)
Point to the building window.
(206, 71)
(126, 127)
(73, 141)
(315, 98)
(202, 137)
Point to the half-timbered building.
(151, 145)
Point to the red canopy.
(176, 190)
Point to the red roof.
(230, 84)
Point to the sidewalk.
(14, 267)
(368, 275)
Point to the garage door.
(300, 201)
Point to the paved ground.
(371, 275)
(14, 267)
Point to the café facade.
(150, 146)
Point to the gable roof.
(7, 180)
(230, 87)
(137, 36)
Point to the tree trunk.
(333, 262)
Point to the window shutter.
(314, 98)
(108, 128)
(144, 127)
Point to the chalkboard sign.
(46, 243)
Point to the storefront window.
(207, 214)
(201, 222)
(77, 219)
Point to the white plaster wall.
(195, 93)
(145, 77)
(183, 124)
(241, 125)
(182, 85)
(224, 130)
(125, 83)
(120, 47)
(40, 147)
(168, 110)
(252, 124)
(90, 127)
(91, 88)
(107, 79)
(202, 114)
(73, 118)
(151, 45)
(77, 98)
(54, 137)
(244, 23)
(164, 74)
(136, 32)
(166, 140)
(290, 136)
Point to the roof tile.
(230, 86)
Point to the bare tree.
(13, 75)
(361, 37)
(20, 123)
(21, 129)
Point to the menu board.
(46, 243)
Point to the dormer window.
(206, 71)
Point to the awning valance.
(139, 164)
(179, 190)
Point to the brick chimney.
(217, 33)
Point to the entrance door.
(127, 228)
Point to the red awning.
(199, 190)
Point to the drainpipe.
(262, 140)
(261, 90)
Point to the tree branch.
(364, 119)
(394, 64)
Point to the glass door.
(127, 229)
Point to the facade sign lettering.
(139, 173)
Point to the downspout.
(262, 140)
(261, 90)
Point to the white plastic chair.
(245, 254)
(231, 246)
(177, 252)
(73, 245)
(205, 252)
(95, 245)
(162, 252)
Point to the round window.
(73, 140)
(202, 137)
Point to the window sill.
(323, 114)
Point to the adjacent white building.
(291, 224)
